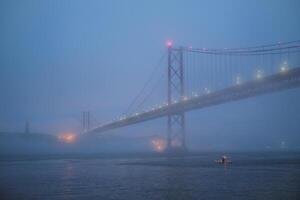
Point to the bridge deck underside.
(269, 84)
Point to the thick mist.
(60, 58)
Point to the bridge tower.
(176, 121)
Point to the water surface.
(251, 176)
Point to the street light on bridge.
(185, 98)
(194, 94)
(238, 80)
(259, 74)
(284, 67)
(207, 91)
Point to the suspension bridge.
(196, 78)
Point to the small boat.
(223, 160)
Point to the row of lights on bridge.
(184, 98)
(259, 73)
(258, 76)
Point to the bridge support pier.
(176, 137)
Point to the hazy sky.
(61, 57)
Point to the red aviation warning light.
(169, 43)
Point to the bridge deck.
(268, 84)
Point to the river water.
(250, 176)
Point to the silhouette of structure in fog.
(224, 75)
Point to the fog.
(60, 58)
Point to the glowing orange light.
(67, 137)
(169, 43)
(158, 144)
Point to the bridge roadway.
(268, 84)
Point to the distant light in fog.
(158, 144)
(284, 67)
(67, 137)
(238, 80)
(185, 98)
(194, 94)
(169, 43)
(259, 74)
(207, 91)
